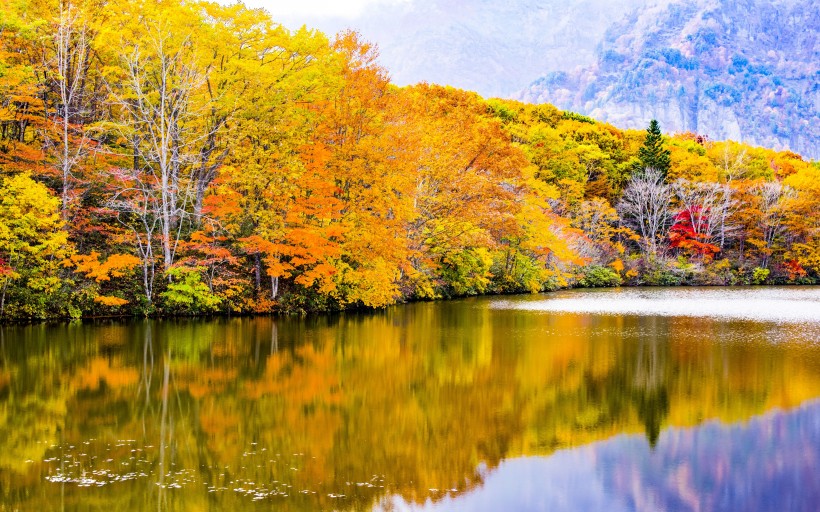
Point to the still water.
(617, 400)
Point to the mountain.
(491, 47)
(730, 69)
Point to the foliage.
(599, 277)
(652, 154)
(32, 243)
(760, 275)
(187, 292)
(202, 158)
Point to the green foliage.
(577, 117)
(598, 276)
(652, 154)
(659, 272)
(467, 273)
(514, 272)
(760, 275)
(187, 292)
(74, 312)
(502, 110)
(717, 273)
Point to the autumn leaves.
(204, 159)
(236, 166)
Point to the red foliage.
(794, 269)
(684, 236)
(5, 269)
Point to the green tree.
(652, 154)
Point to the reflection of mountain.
(767, 464)
(732, 69)
(427, 396)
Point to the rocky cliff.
(730, 69)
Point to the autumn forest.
(162, 157)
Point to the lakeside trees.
(204, 158)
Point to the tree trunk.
(258, 271)
(274, 287)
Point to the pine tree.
(652, 154)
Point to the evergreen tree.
(652, 154)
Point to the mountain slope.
(731, 69)
(493, 48)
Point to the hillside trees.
(206, 159)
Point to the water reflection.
(427, 403)
(767, 463)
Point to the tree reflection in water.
(355, 411)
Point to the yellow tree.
(21, 94)
(363, 164)
(32, 245)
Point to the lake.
(617, 400)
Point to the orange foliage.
(110, 301)
(116, 265)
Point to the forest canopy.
(170, 157)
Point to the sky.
(307, 10)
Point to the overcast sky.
(304, 11)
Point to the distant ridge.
(491, 47)
(731, 69)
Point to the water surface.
(584, 400)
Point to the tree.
(362, 159)
(69, 62)
(644, 207)
(599, 222)
(774, 198)
(275, 194)
(32, 245)
(162, 77)
(652, 154)
(703, 222)
(155, 96)
(21, 93)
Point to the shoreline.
(360, 309)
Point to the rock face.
(731, 69)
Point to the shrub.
(759, 275)
(596, 276)
(188, 294)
